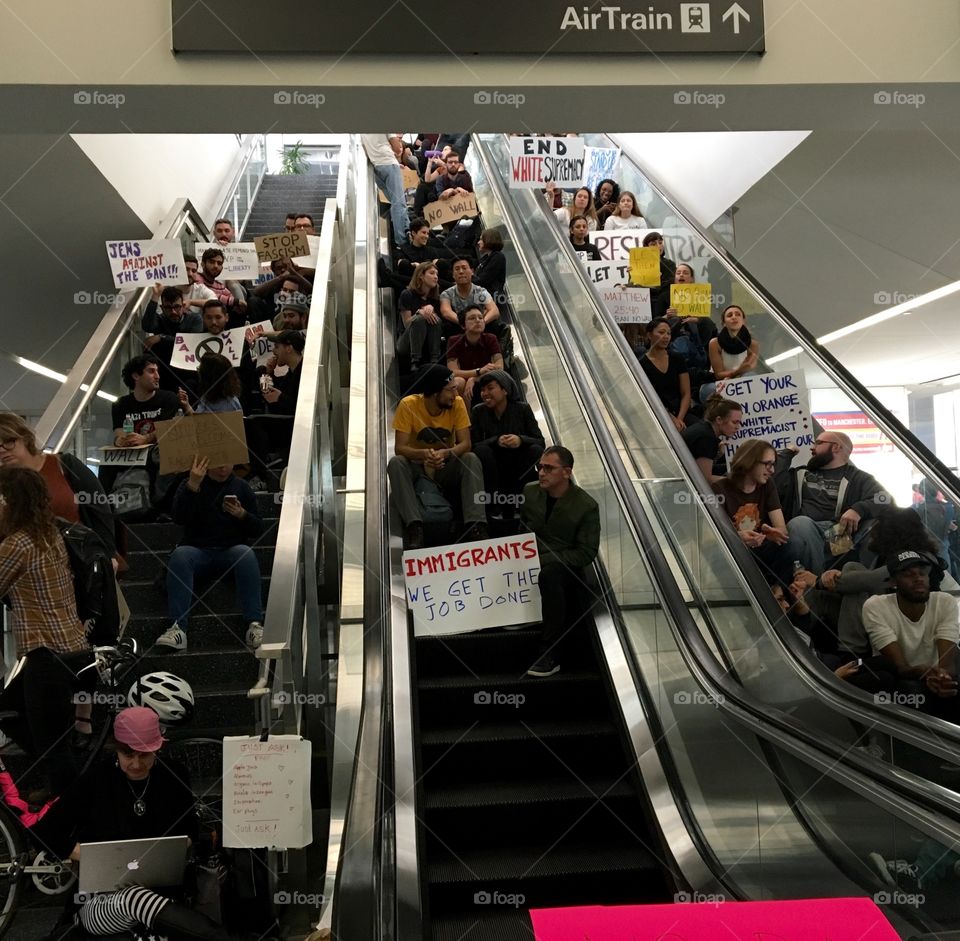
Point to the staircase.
(280, 194)
(529, 795)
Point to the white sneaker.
(173, 638)
(254, 635)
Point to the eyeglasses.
(770, 464)
(172, 306)
(817, 444)
(548, 467)
(8, 444)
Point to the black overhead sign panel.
(411, 28)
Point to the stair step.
(211, 597)
(505, 924)
(205, 669)
(158, 536)
(145, 566)
(207, 631)
(501, 792)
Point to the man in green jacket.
(566, 522)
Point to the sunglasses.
(548, 467)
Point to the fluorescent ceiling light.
(795, 351)
(58, 376)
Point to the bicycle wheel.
(11, 859)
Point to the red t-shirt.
(62, 498)
(473, 355)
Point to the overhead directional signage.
(544, 27)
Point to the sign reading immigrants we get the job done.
(492, 583)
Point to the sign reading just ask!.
(558, 26)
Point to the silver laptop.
(105, 867)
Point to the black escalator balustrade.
(529, 797)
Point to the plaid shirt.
(39, 586)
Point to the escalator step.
(518, 731)
(503, 680)
(507, 925)
(526, 792)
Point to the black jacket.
(94, 509)
(491, 274)
(859, 490)
(206, 524)
(517, 419)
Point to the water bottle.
(128, 425)
(797, 567)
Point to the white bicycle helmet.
(169, 696)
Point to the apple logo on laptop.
(133, 864)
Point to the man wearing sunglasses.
(829, 490)
(566, 522)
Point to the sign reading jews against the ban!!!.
(493, 583)
(536, 161)
(775, 408)
(152, 261)
(282, 245)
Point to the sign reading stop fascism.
(493, 583)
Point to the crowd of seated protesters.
(473, 353)
(462, 294)
(421, 327)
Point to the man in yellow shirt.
(432, 438)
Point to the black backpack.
(94, 583)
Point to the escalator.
(643, 771)
(732, 604)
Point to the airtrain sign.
(541, 27)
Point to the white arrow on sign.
(736, 11)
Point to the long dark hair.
(898, 530)
(217, 380)
(26, 506)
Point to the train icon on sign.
(694, 17)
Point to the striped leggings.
(123, 910)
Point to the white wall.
(151, 171)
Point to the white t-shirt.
(886, 623)
(199, 292)
(631, 222)
(563, 217)
(378, 149)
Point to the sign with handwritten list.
(266, 792)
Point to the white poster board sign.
(775, 407)
(146, 262)
(492, 583)
(615, 244)
(188, 348)
(240, 262)
(536, 161)
(628, 306)
(125, 457)
(266, 792)
(310, 261)
(608, 272)
(600, 163)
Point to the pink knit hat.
(138, 728)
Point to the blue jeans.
(807, 540)
(390, 180)
(187, 562)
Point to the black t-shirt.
(410, 300)
(162, 407)
(702, 440)
(587, 252)
(818, 498)
(666, 384)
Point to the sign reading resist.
(536, 161)
(153, 261)
(615, 245)
(453, 589)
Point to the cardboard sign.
(411, 179)
(281, 245)
(150, 262)
(239, 259)
(451, 210)
(310, 260)
(126, 457)
(775, 408)
(536, 161)
(615, 244)
(189, 348)
(266, 792)
(627, 306)
(608, 272)
(713, 917)
(452, 589)
(645, 267)
(217, 436)
(600, 163)
(691, 300)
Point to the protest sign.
(615, 244)
(239, 259)
(150, 262)
(217, 436)
(411, 179)
(775, 408)
(536, 161)
(188, 348)
(310, 260)
(708, 916)
(450, 210)
(645, 267)
(691, 300)
(266, 791)
(492, 583)
(126, 457)
(600, 163)
(281, 245)
(261, 350)
(628, 306)
(608, 272)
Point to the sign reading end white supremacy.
(493, 583)
(536, 161)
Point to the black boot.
(180, 923)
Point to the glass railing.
(735, 614)
(245, 183)
(720, 760)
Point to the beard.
(818, 461)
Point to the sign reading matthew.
(493, 583)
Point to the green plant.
(293, 159)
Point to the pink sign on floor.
(798, 920)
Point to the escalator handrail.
(935, 735)
(249, 147)
(859, 770)
(904, 438)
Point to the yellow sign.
(645, 267)
(691, 300)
